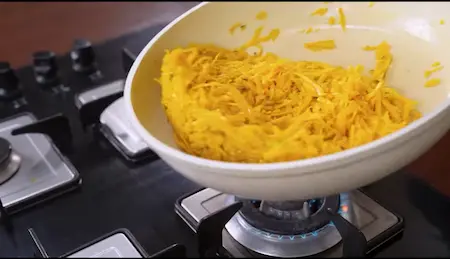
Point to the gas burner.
(355, 225)
(286, 229)
(9, 161)
(32, 167)
(289, 210)
(289, 217)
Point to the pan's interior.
(412, 28)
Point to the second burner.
(9, 161)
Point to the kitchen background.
(28, 27)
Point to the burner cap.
(9, 161)
(290, 217)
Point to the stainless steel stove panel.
(371, 218)
(115, 246)
(113, 121)
(114, 117)
(99, 92)
(42, 168)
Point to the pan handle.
(354, 241)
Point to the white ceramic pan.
(417, 38)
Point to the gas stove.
(77, 181)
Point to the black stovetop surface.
(114, 195)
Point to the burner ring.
(9, 161)
(260, 221)
(5, 150)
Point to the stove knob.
(45, 68)
(9, 83)
(83, 56)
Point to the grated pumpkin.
(320, 45)
(229, 105)
(233, 27)
(320, 11)
(432, 82)
(261, 15)
(331, 20)
(342, 19)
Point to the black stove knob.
(83, 56)
(9, 83)
(45, 68)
